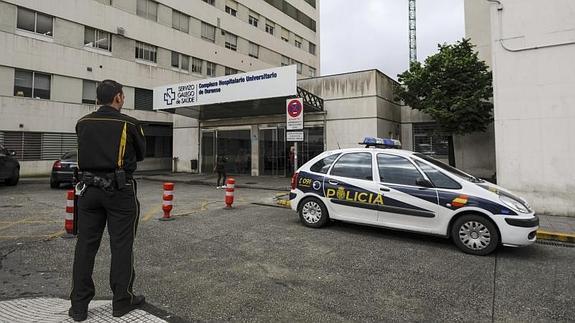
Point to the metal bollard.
(230, 193)
(167, 201)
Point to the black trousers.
(120, 210)
(220, 175)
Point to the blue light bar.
(380, 142)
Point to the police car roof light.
(380, 142)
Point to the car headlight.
(514, 204)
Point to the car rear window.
(69, 155)
(322, 165)
(354, 165)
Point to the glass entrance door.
(273, 158)
(208, 151)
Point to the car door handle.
(332, 182)
(384, 189)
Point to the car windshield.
(449, 169)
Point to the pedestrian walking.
(109, 146)
(220, 168)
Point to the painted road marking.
(148, 215)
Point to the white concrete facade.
(64, 56)
(531, 45)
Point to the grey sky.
(365, 34)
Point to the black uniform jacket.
(109, 140)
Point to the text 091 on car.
(382, 185)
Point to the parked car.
(63, 169)
(409, 191)
(9, 167)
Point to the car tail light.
(57, 165)
(294, 181)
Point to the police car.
(382, 185)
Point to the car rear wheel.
(12, 181)
(313, 213)
(54, 183)
(475, 235)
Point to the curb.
(199, 182)
(555, 236)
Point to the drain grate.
(250, 183)
(556, 243)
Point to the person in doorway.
(109, 146)
(220, 168)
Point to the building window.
(180, 61)
(197, 65)
(32, 84)
(429, 140)
(270, 28)
(208, 32)
(35, 22)
(253, 21)
(297, 43)
(312, 71)
(106, 2)
(180, 21)
(210, 69)
(146, 52)
(231, 41)
(285, 61)
(299, 66)
(254, 50)
(147, 9)
(211, 2)
(97, 39)
(312, 48)
(89, 92)
(285, 35)
(231, 71)
(231, 11)
(293, 12)
(143, 99)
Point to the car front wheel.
(475, 235)
(12, 181)
(313, 213)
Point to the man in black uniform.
(109, 145)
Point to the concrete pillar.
(255, 141)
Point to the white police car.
(403, 190)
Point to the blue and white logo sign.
(169, 96)
(254, 85)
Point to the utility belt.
(105, 181)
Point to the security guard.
(109, 145)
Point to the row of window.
(392, 169)
(180, 21)
(95, 38)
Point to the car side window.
(438, 179)
(397, 170)
(354, 165)
(322, 166)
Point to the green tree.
(453, 87)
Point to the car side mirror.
(423, 182)
(12, 153)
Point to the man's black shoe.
(136, 302)
(78, 315)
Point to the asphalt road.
(258, 263)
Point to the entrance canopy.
(254, 93)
